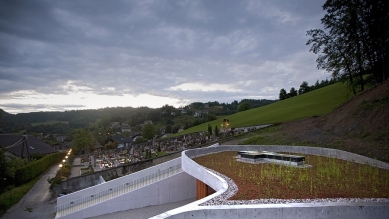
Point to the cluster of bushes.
(30, 171)
(63, 173)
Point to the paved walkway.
(76, 167)
(37, 200)
(146, 212)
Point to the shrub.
(30, 171)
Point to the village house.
(120, 140)
(25, 145)
(126, 128)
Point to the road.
(37, 203)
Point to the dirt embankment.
(361, 125)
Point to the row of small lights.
(64, 160)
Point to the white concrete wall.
(175, 188)
(116, 182)
(303, 211)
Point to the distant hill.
(315, 103)
(71, 119)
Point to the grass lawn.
(327, 178)
(315, 103)
(13, 196)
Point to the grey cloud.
(39, 107)
(140, 47)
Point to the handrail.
(118, 190)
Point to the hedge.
(30, 171)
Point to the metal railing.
(115, 191)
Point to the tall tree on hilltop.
(355, 41)
(292, 92)
(283, 95)
(304, 88)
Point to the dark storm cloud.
(135, 47)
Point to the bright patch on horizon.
(205, 88)
(31, 101)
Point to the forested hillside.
(165, 117)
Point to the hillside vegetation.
(360, 125)
(315, 103)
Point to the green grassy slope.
(315, 103)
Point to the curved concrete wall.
(282, 211)
(199, 172)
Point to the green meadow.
(315, 103)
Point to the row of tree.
(304, 88)
(354, 43)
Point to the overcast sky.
(64, 55)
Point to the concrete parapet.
(286, 211)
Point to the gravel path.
(36, 204)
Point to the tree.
(283, 95)
(292, 92)
(82, 140)
(354, 43)
(216, 131)
(140, 139)
(304, 88)
(243, 106)
(209, 129)
(168, 129)
(148, 131)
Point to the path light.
(66, 157)
(226, 122)
(60, 170)
(63, 161)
